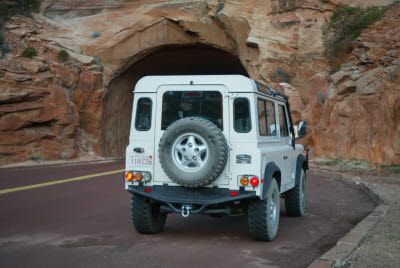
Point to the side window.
(271, 123)
(283, 122)
(261, 117)
(143, 114)
(241, 115)
(266, 118)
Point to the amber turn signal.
(138, 176)
(244, 181)
(129, 176)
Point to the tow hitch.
(186, 210)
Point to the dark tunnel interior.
(176, 60)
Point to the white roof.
(234, 83)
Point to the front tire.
(146, 217)
(295, 199)
(263, 215)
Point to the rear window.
(181, 104)
(143, 114)
(241, 115)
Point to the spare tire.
(193, 152)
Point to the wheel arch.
(271, 171)
(301, 163)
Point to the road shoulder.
(373, 241)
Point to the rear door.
(140, 152)
(179, 101)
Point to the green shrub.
(5, 48)
(392, 168)
(29, 52)
(31, 5)
(5, 12)
(219, 7)
(62, 55)
(95, 34)
(347, 164)
(15, 7)
(37, 158)
(345, 26)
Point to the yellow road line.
(58, 182)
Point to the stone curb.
(336, 256)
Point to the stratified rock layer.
(51, 110)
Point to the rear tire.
(146, 217)
(295, 199)
(263, 215)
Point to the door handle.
(285, 157)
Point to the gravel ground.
(381, 247)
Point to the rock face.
(51, 110)
(360, 117)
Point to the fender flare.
(270, 169)
(299, 166)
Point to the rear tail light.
(248, 180)
(129, 176)
(138, 176)
(254, 181)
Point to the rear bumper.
(199, 196)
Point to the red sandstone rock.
(50, 110)
(346, 87)
(14, 77)
(33, 66)
(19, 32)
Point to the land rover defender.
(213, 145)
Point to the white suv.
(213, 144)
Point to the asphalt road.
(87, 223)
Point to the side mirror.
(301, 130)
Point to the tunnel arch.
(166, 60)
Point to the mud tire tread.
(257, 219)
(146, 218)
(292, 201)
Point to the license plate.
(142, 161)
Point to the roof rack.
(268, 90)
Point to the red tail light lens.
(129, 176)
(254, 181)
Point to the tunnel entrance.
(186, 60)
